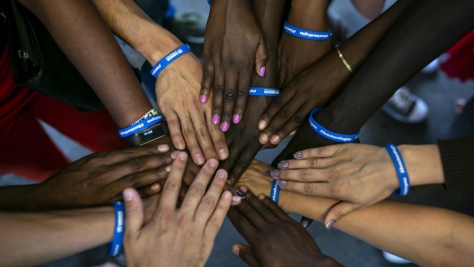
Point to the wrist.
(309, 15)
(158, 45)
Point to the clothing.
(25, 148)
(457, 157)
(460, 59)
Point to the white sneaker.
(406, 107)
(432, 67)
(394, 259)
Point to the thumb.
(245, 253)
(261, 58)
(338, 211)
(133, 213)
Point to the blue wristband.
(116, 246)
(263, 91)
(275, 191)
(400, 168)
(140, 125)
(164, 62)
(305, 34)
(336, 137)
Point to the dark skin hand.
(234, 47)
(95, 180)
(274, 238)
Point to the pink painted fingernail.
(304, 224)
(298, 155)
(281, 183)
(215, 119)
(203, 99)
(236, 118)
(275, 173)
(236, 198)
(225, 126)
(262, 72)
(283, 165)
(330, 224)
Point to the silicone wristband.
(150, 113)
(140, 126)
(400, 168)
(264, 91)
(116, 246)
(305, 34)
(275, 191)
(164, 62)
(336, 137)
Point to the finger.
(173, 183)
(138, 180)
(218, 94)
(230, 93)
(281, 117)
(290, 126)
(198, 187)
(252, 215)
(293, 133)
(190, 136)
(270, 112)
(277, 211)
(150, 190)
(261, 208)
(118, 156)
(245, 80)
(174, 127)
(309, 188)
(261, 58)
(134, 214)
(319, 152)
(245, 254)
(338, 211)
(241, 223)
(305, 222)
(214, 223)
(209, 201)
(133, 167)
(219, 141)
(308, 163)
(242, 163)
(203, 135)
(207, 79)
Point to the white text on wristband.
(336, 137)
(164, 62)
(275, 191)
(263, 91)
(400, 168)
(140, 126)
(305, 34)
(116, 246)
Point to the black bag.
(38, 63)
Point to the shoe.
(190, 27)
(432, 67)
(406, 107)
(394, 259)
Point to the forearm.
(30, 239)
(309, 15)
(83, 36)
(425, 235)
(18, 198)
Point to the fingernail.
(293, 133)
(281, 183)
(283, 165)
(235, 250)
(221, 174)
(264, 138)
(304, 224)
(261, 125)
(168, 168)
(275, 139)
(236, 118)
(213, 162)
(163, 148)
(262, 72)
(183, 156)
(240, 193)
(127, 196)
(215, 119)
(203, 99)
(174, 154)
(236, 198)
(225, 126)
(180, 146)
(275, 173)
(330, 224)
(222, 154)
(155, 187)
(298, 155)
(198, 159)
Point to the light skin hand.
(177, 237)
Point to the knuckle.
(218, 89)
(189, 131)
(128, 153)
(298, 118)
(230, 95)
(270, 129)
(267, 116)
(198, 189)
(137, 163)
(243, 163)
(202, 132)
(208, 203)
(217, 108)
(208, 75)
(242, 91)
(133, 180)
(172, 186)
(226, 115)
(284, 113)
(312, 163)
(278, 102)
(308, 188)
(173, 123)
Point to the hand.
(100, 178)
(256, 178)
(177, 237)
(274, 238)
(234, 47)
(310, 89)
(177, 92)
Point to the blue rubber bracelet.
(164, 62)
(400, 168)
(264, 91)
(336, 137)
(305, 34)
(116, 246)
(275, 191)
(140, 125)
